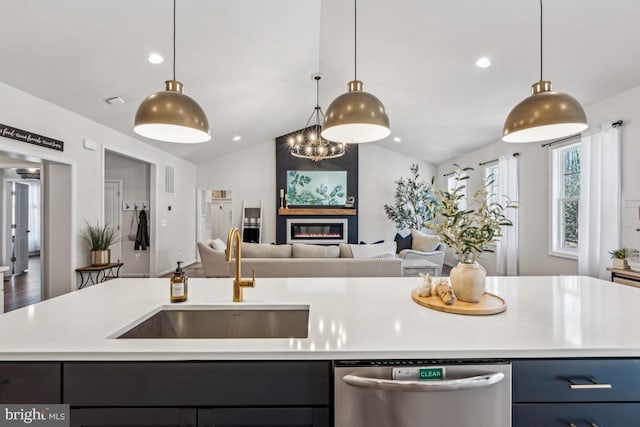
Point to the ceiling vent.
(168, 179)
(116, 100)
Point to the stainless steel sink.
(224, 322)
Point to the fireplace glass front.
(330, 231)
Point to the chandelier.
(307, 143)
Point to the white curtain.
(599, 213)
(507, 249)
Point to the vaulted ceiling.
(249, 63)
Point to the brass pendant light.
(308, 144)
(545, 114)
(170, 115)
(356, 116)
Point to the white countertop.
(349, 318)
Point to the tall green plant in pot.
(411, 200)
(469, 231)
(100, 238)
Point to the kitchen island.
(569, 323)
(350, 318)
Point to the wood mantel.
(318, 211)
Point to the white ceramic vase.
(468, 281)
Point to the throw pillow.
(424, 242)
(374, 251)
(403, 242)
(345, 250)
(301, 250)
(265, 250)
(218, 245)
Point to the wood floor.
(24, 289)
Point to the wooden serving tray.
(488, 304)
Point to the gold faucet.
(238, 283)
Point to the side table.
(625, 276)
(97, 274)
(415, 266)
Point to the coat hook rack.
(132, 205)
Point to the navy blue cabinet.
(198, 394)
(580, 392)
(139, 417)
(263, 417)
(30, 382)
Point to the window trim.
(555, 202)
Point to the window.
(565, 200)
(451, 185)
(492, 175)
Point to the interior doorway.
(20, 232)
(127, 205)
(50, 272)
(215, 215)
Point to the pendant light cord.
(540, 40)
(174, 39)
(317, 109)
(355, 40)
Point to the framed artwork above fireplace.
(306, 188)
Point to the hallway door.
(221, 212)
(20, 227)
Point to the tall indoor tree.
(412, 197)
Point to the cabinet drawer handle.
(590, 425)
(594, 385)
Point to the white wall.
(250, 175)
(378, 170)
(135, 187)
(24, 111)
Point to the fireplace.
(317, 230)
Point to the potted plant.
(468, 232)
(618, 256)
(100, 239)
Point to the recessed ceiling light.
(397, 139)
(237, 138)
(115, 100)
(483, 62)
(155, 58)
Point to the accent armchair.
(436, 256)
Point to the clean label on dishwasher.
(421, 374)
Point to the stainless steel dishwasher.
(422, 393)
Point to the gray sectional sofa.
(299, 260)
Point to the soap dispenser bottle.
(179, 287)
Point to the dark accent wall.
(285, 161)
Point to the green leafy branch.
(469, 231)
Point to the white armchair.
(436, 256)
